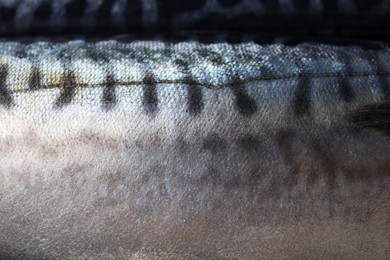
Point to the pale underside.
(80, 181)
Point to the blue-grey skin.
(153, 150)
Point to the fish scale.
(125, 150)
(275, 90)
(44, 65)
(186, 139)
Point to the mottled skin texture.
(198, 152)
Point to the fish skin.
(150, 150)
(209, 65)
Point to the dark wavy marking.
(68, 91)
(195, 99)
(301, 101)
(5, 96)
(35, 79)
(97, 56)
(318, 152)
(372, 116)
(364, 44)
(109, 97)
(245, 104)
(150, 100)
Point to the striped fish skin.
(188, 150)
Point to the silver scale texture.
(205, 151)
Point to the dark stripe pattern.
(68, 91)
(35, 79)
(5, 96)
(251, 64)
(109, 98)
(150, 99)
(301, 101)
(292, 145)
(245, 104)
(346, 91)
(195, 99)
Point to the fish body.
(157, 150)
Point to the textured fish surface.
(156, 150)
